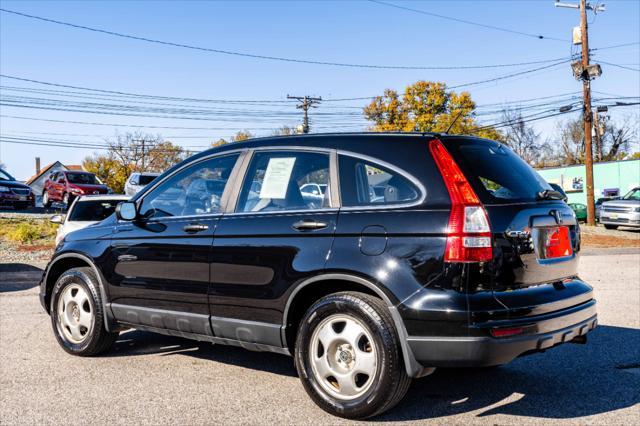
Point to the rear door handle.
(195, 227)
(309, 225)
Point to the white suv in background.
(137, 181)
(84, 211)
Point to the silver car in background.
(84, 211)
(622, 212)
(137, 181)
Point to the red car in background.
(64, 186)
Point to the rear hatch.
(536, 238)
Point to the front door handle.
(309, 225)
(195, 227)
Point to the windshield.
(92, 210)
(5, 176)
(495, 172)
(82, 178)
(634, 195)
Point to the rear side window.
(364, 183)
(95, 210)
(495, 172)
(280, 181)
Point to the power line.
(274, 58)
(620, 66)
(464, 21)
(615, 46)
(128, 125)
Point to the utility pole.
(586, 72)
(144, 152)
(306, 102)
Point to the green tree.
(426, 106)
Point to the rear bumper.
(541, 333)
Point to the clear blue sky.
(336, 31)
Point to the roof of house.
(46, 168)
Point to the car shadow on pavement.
(134, 342)
(18, 276)
(570, 381)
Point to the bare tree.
(520, 136)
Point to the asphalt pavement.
(153, 379)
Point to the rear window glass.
(495, 172)
(146, 179)
(93, 211)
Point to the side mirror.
(126, 211)
(57, 218)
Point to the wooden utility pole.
(586, 74)
(306, 102)
(588, 115)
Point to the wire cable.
(266, 57)
(464, 21)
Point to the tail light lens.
(468, 232)
(557, 242)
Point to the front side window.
(364, 183)
(634, 194)
(194, 190)
(280, 181)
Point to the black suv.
(424, 251)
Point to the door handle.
(195, 227)
(127, 258)
(309, 225)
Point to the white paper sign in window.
(276, 178)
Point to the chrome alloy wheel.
(75, 314)
(343, 356)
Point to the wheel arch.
(65, 262)
(314, 288)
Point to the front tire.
(348, 356)
(46, 202)
(77, 316)
(611, 226)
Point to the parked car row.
(15, 194)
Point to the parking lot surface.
(153, 379)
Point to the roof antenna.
(455, 120)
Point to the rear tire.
(77, 316)
(348, 356)
(611, 226)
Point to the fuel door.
(373, 240)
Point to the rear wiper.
(549, 194)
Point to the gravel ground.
(157, 380)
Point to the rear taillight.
(468, 232)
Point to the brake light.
(504, 332)
(468, 231)
(557, 242)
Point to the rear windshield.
(495, 172)
(82, 178)
(93, 211)
(145, 179)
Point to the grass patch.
(28, 231)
